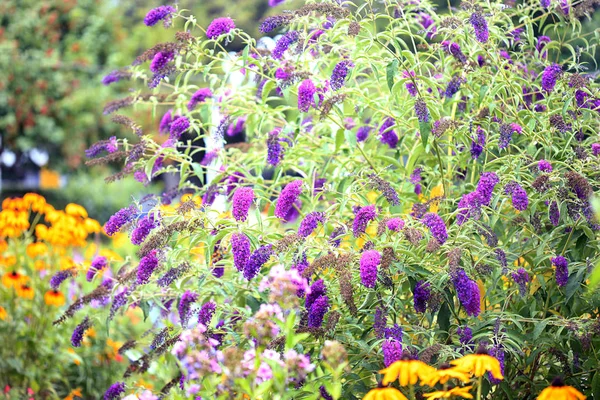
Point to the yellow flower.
(436, 194)
(3, 245)
(92, 226)
(559, 391)
(76, 210)
(478, 364)
(408, 372)
(35, 201)
(3, 314)
(446, 394)
(443, 375)
(25, 292)
(54, 298)
(387, 393)
(13, 279)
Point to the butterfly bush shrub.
(409, 185)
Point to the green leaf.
(339, 139)
(391, 70)
(539, 328)
(596, 385)
(595, 277)
(145, 306)
(443, 317)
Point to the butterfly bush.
(433, 170)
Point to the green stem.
(479, 387)
(411, 390)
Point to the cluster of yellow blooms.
(30, 218)
(408, 372)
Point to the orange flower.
(25, 292)
(3, 314)
(8, 261)
(36, 249)
(54, 298)
(446, 394)
(3, 245)
(559, 391)
(74, 393)
(386, 393)
(407, 371)
(40, 265)
(13, 279)
(478, 364)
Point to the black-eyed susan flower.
(446, 394)
(54, 298)
(25, 292)
(3, 313)
(478, 364)
(559, 391)
(407, 371)
(13, 279)
(384, 393)
(444, 374)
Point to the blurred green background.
(53, 55)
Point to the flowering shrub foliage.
(44, 256)
(411, 187)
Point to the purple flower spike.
(549, 77)
(544, 166)
(395, 224)
(288, 197)
(467, 292)
(436, 226)
(310, 223)
(199, 97)
(146, 267)
(257, 260)
(242, 200)
(185, 304)
(98, 264)
(485, 187)
(518, 195)
(162, 13)
(240, 247)
(562, 270)
(206, 313)
(306, 92)
(160, 61)
(317, 312)
(481, 28)
(178, 127)
(115, 391)
(363, 216)
(219, 26)
(284, 43)
(421, 296)
(117, 221)
(369, 262)
(143, 229)
(339, 74)
(388, 135)
(79, 332)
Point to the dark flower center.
(482, 350)
(557, 382)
